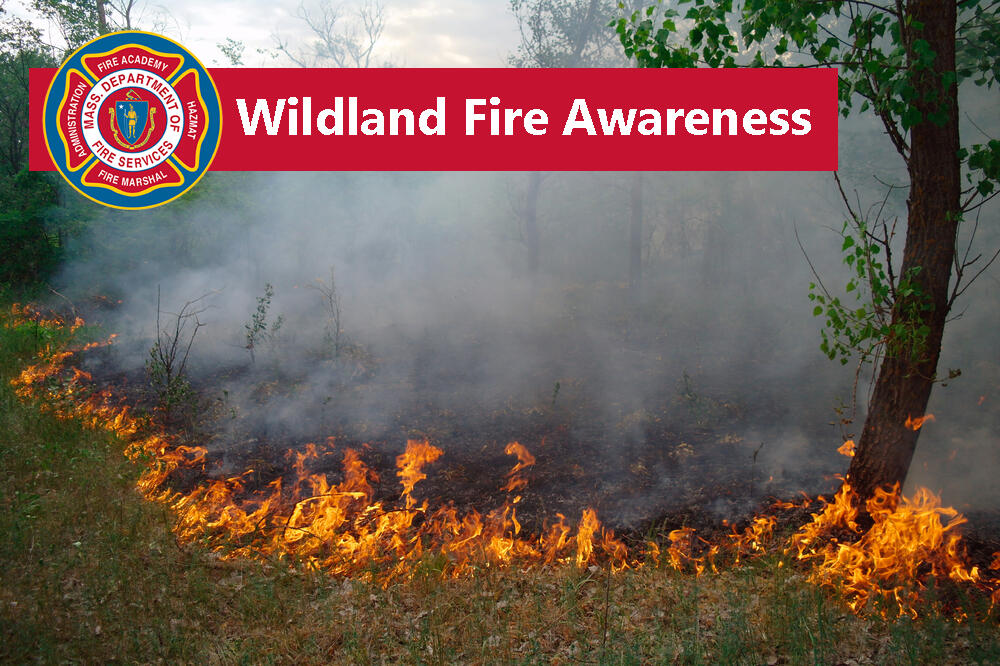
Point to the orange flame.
(847, 449)
(418, 454)
(910, 540)
(524, 459)
(917, 423)
(339, 527)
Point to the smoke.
(446, 333)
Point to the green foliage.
(77, 20)
(29, 254)
(233, 50)
(882, 61)
(258, 329)
(868, 326)
(876, 61)
(31, 226)
(879, 54)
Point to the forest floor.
(93, 572)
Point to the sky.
(419, 33)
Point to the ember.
(918, 422)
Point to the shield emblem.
(131, 116)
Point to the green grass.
(91, 572)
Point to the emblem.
(132, 120)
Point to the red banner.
(514, 119)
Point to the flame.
(524, 459)
(340, 526)
(847, 449)
(917, 423)
(911, 540)
(418, 454)
(687, 549)
(755, 537)
(783, 504)
(336, 527)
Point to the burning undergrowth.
(350, 507)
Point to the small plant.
(167, 363)
(333, 330)
(258, 330)
(702, 409)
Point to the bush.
(29, 254)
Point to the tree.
(30, 253)
(526, 211)
(80, 21)
(566, 33)
(635, 238)
(38, 212)
(339, 39)
(903, 60)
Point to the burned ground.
(678, 451)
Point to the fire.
(343, 527)
(755, 537)
(22, 314)
(847, 449)
(687, 549)
(918, 422)
(524, 459)
(410, 464)
(336, 527)
(911, 540)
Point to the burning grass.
(572, 592)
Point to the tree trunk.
(635, 239)
(102, 18)
(907, 374)
(531, 235)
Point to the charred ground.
(687, 450)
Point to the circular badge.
(132, 120)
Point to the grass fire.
(494, 417)
(331, 513)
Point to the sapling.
(258, 330)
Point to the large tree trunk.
(907, 374)
(635, 239)
(531, 234)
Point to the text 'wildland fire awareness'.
(283, 116)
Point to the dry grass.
(92, 573)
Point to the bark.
(102, 18)
(635, 239)
(905, 379)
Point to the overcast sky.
(419, 33)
